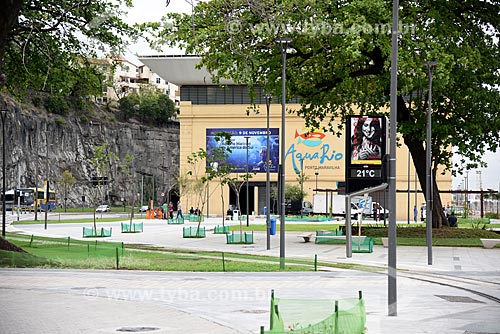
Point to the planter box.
(237, 238)
(132, 228)
(100, 233)
(221, 229)
(193, 232)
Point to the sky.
(153, 10)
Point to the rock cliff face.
(40, 144)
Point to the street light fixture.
(3, 113)
(428, 164)
(246, 178)
(284, 46)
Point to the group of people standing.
(168, 210)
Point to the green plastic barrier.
(362, 245)
(195, 218)
(221, 229)
(321, 316)
(237, 238)
(91, 233)
(132, 228)
(193, 232)
(179, 220)
(326, 235)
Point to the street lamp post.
(428, 165)
(268, 183)
(284, 46)
(3, 112)
(246, 178)
(316, 173)
(47, 196)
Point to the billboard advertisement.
(367, 136)
(366, 146)
(257, 148)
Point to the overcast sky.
(153, 10)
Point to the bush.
(37, 101)
(56, 105)
(60, 121)
(490, 215)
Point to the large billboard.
(366, 146)
(257, 148)
(367, 139)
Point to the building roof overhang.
(180, 70)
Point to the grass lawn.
(91, 254)
(65, 253)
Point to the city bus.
(24, 198)
(51, 202)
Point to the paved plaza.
(459, 293)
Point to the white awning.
(180, 70)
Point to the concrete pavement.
(459, 293)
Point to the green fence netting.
(193, 232)
(362, 244)
(60, 249)
(221, 229)
(323, 237)
(132, 228)
(178, 220)
(196, 218)
(317, 316)
(237, 238)
(100, 232)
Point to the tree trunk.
(418, 154)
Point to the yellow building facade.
(206, 106)
(323, 165)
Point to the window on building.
(158, 81)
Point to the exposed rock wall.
(38, 143)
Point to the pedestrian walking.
(165, 210)
(171, 210)
(179, 210)
(415, 213)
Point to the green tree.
(339, 62)
(102, 161)
(207, 166)
(67, 181)
(45, 45)
(148, 105)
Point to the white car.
(143, 208)
(102, 208)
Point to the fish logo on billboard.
(310, 139)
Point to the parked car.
(143, 208)
(102, 208)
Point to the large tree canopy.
(44, 45)
(339, 57)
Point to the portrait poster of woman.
(366, 140)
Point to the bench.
(307, 236)
(490, 243)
